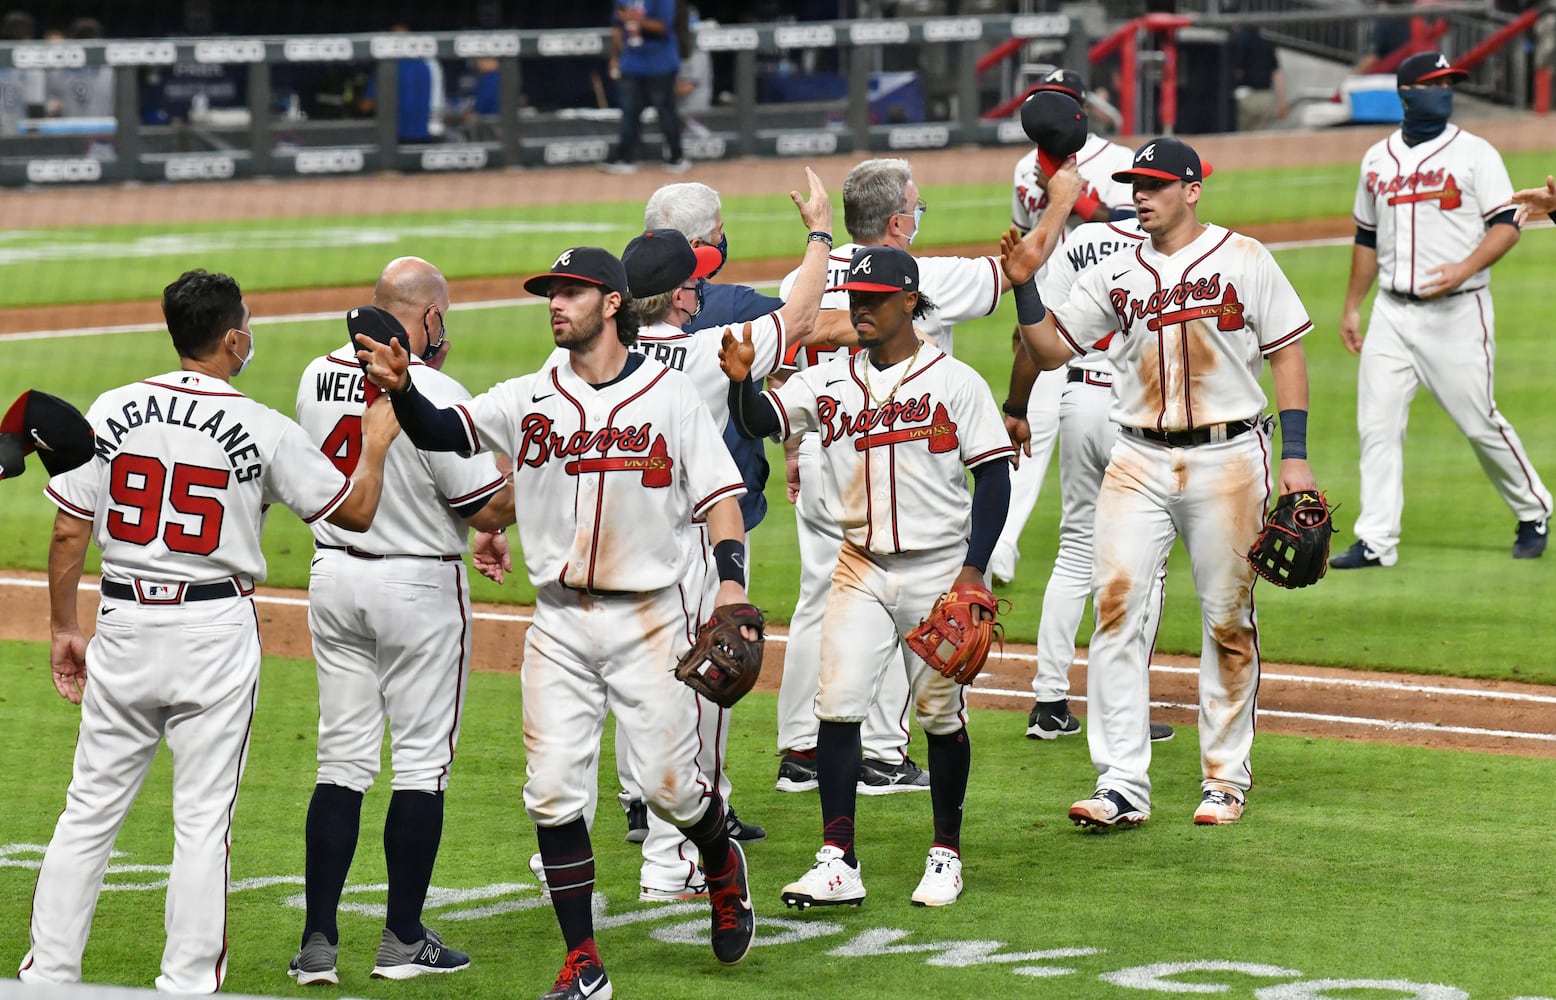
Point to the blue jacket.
(653, 55)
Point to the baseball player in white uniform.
(614, 456)
(389, 611)
(881, 207)
(1193, 313)
(899, 424)
(175, 499)
(1097, 160)
(1434, 210)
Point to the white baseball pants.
(1026, 479)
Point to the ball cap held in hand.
(1064, 81)
(880, 269)
(1427, 67)
(1058, 125)
(594, 265)
(661, 259)
(38, 422)
(1166, 159)
(378, 324)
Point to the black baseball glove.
(723, 664)
(1293, 549)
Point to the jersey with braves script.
(184, 470)
(697, 356)
(1081, 249)
(605, 477)
(1193, 328)
(1096, 162)
(962, 289)
(424, 491)
(896, 444)
(1429, 204)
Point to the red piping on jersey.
(1161, 362)
(1183, 341)
(491, 487)
(691, 630)
(1059, 327)
(329, 508)
(772, 397)
(459, 668)
(987, 456)
(1415, 205)
(869, 494)
(699, 510)
(1485, 347)
(1137, 237)
(1399, 169)
(84, 514)
(610, 421)
(927, 366)
(994, 303)
(1288, 338)
(192, 392)
(783, 347)
(470, 432)
(232, 802)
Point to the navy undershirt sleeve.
(1506, 217)
(429, 427)
(754, 416)
(1366, 237)
(990, 503)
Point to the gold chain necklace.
(900, 378)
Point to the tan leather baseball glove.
(954, 638)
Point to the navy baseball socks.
(334, 821)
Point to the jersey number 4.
(343, 445)
(139, 483)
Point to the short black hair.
(923, 307)
(200, 307)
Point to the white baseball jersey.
(1096, 162)
(1081, 249)
(187, 465)
(423, 490)
(1193, 328)
(962, 289)
(605, 477)
(697, 356)
(1429, 204)
(922, 422)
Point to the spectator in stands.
(22, 91)
(694, 82)
(421, 97)
(1257, 82)
(84, 91)
(1388, 36)
(645, 57)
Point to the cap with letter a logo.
(1166, 159)
(1427, 67)
(38, 422)
(591, 265)
(880, 269)
(1064, 81)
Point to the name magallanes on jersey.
(836, 423)
(1228, 311)
(175, 410)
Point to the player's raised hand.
(737, 356)
(1538, 199)
(379, 426)
(1064, 187)
(1350, 330)
(387, 365)
(67, 659)
(1020, 257)
(816, 212)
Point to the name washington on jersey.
(175, 410)
(1083, 256)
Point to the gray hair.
(690, 208)
(872, 194)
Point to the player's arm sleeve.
(983, 436)
(964, 288)
(711, 474)
(1020, 187)
(1493, 187)
(767, 336)
(1057, 277)
(78, 491)
(464, 483)
(431, 427)
(990, 508)
(753, 415)
(1280, 317)
(299, 476)
(795, 403)
(1364, 210)
(1086, 315)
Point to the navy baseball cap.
(880, 269)
(660, 259)
(1166, 159)
(593, 265)
(378, 324)
(1427, 67)
(38, 422)
(1065, 81)
(1056, 123)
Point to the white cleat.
(830, 882)
(1217, 807)
(942, 881)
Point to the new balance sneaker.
(637, 821)
(942, 881)
(582, 978)
(1532, 536)
(876, 777)
(1218, 807)
(677, 166)
(315, 963)
(697, 888)
(1050, 720)
(830, 882)
(1361, 556)
(748, 833)
(734, 922)
(537, 868)
(1107, 808)
(429, 955)
(618, 167)
(1160, 732)
(797, 771)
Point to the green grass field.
(1355, 862)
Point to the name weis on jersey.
(339, 387)
(175, 410)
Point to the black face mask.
(1426, 112)
(431, 350)
(723, 245)
(702, 284)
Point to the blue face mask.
(723, 245)
(1426, 112)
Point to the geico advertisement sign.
(63, 171)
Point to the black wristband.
(1029, 304)
(1011, 410)
(729, 556)
(1293, 434)
(817, 236)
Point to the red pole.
(1499, 38)
(1543, 84)
(1126, 83)
(1169, 42)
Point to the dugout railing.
(263, 136)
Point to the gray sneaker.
(398, 960)
(876, 777)
(315, 963)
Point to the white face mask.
(244, 361)
(918, 220)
